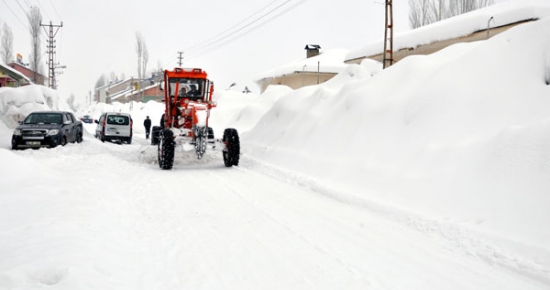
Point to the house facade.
(316, 68)
(30, 74)
(10, 77)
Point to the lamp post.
(488, 25)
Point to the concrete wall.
(296, 80)
(436, 46)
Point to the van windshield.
(118, 120)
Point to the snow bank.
(461, 135)
(17, 103)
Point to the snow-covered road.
(114, 220)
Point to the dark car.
(47, 129)
(87, 119)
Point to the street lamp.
(488, 25)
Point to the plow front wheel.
(166, 148)
(232, 147)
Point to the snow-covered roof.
(12, 72)
(330, 61)
(503, 14)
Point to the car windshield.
(44, 118)
(118, 120)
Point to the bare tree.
(419, 13)
(424, 12)
(35, 19)
(101, 81)
(7, 44)
(143, 57)
(458, 7)
(139, 51)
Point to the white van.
(114, 127)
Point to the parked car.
(114, 127)
(87, 119)
(47, 129)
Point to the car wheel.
(63, 141)
(14, 146)
(79, 137)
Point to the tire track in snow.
(466, 241)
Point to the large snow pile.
(463, 135)
(17, 103)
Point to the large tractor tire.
(155, 135)
(232, 149)
(166, 148)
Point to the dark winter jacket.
(147, 123)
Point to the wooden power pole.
(388, 36)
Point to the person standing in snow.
(147, 124)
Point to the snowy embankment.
(461, 137)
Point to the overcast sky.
(237, 40)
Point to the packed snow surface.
(431, 174)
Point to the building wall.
(40, 79)
(295, 80)
(4, 80)
(436, 46)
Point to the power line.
(219, 41)
(41, 7)
(212, 39)
(14, 13)
(55, 10)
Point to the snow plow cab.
(188, 101)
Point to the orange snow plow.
(188, 101)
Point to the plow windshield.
(186, 88)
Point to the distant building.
(124, 91)
(26, 71)
(10, 77)
(316, 68)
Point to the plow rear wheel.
(166, 150)
(232, 147)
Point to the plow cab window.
(186, 88)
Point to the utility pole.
(51, 52)
(180, 58)
(388, 36)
